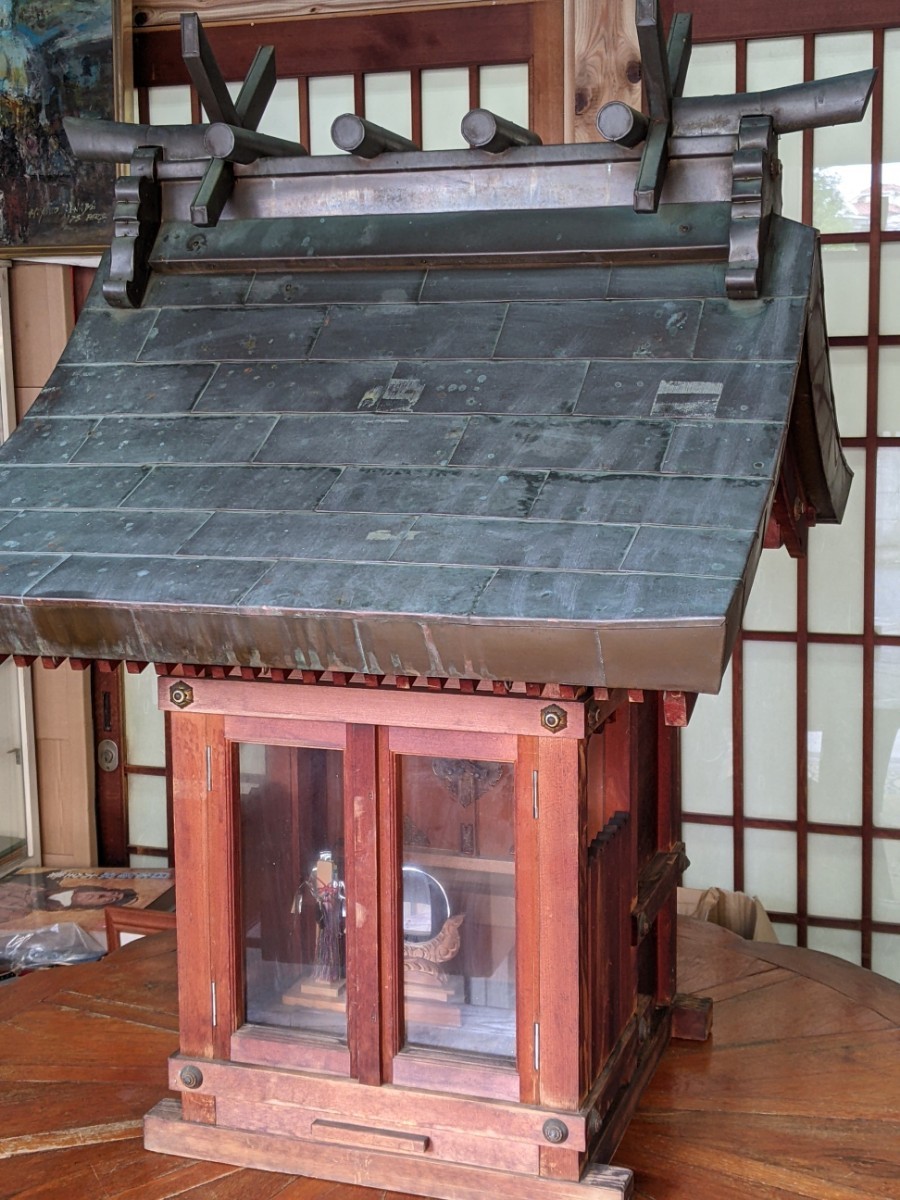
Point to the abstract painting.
(56, 60)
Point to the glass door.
(458, 905)
(376, 907)
(294, 896)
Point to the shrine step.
(165, 1131)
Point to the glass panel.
(886, 756)
(889, 312)
(770, 868)
(13, 827)
(145, 736)
(445, 101)
(712, 71)
(770, 729)
(786, 934)
(233, 88)
(836, 562)
(151, 861)
(282, 115)
(834, 737)
(329, 97)
(147, 812)
(846, 272)
(170, 105)
(504, 90)
(773, 597)
(849, 377)
(292, 883)
(887, 542)
(711, 851)
(889, 391)
(886, 954)
(790, 151)
(842, 173)
(389, 101)
(835, 876)
(842, 943)
(459, 929)
(890, 170)
(886, 880)
(773, 63)
(706, 772)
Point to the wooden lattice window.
(791, 784)
(416, 72)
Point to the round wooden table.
(797, 1093)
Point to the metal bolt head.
(191, 1076)
(554, 718)
(555, 1131)
(181, 694)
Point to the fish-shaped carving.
(422, 958)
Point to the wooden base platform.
(796, 1095)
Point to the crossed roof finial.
(673, 124)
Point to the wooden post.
(602, 41)
(528, 904)
(204, 834)
(669, 785)
(65, 766)
(364, 966)
(390, 900)
(562, 865)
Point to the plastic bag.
(52, 946)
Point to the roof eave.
(652, 654)
(824, 471)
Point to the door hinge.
(534, 795)
(536, 1046)
(213, 1009)
(209, 768)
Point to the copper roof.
(539, 443)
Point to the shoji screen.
(791, 776)
(416, 72)
(435, 100)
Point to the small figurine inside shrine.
(440, 513)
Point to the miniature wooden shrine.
(433, 519)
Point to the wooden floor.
(797, 1094)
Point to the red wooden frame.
(570, 1059)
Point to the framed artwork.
(35, 897)
(58, 58)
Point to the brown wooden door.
(134, 809)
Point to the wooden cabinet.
(419, 931)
